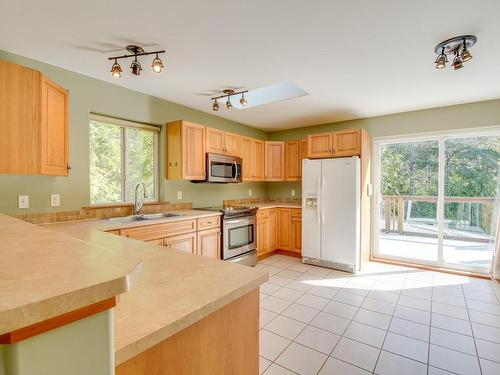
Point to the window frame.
(124, 126)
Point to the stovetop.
(232, 211)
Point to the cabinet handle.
(170, 164)
(68, 167)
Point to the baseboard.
(281, 252)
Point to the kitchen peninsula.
(171, 304)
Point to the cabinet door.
(215, 141)
(193, 151)
(183, 242)
(19, 119)
(303, 154)
(258, 157)
(262, 235)
(54, 130)
(275, 161)
(232, 144)
(319, 145)
(272, 230)
(209, 243)
(247, 150)
(284, 233)
(347, 142)
(292, 161)
(296, 234)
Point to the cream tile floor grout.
(385, 320)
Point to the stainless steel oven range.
(239, 234)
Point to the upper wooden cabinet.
(220, 142)
(185, 150)
(303, 153)
(334, 144)
(34, 123)
(252, 154)
(275, 161)
(292, 161)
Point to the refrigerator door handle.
(318, 201)
(323, 183)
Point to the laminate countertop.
(175, 289)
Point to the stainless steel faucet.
(139, 203)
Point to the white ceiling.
(355, 58)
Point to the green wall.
(464, 116)
(92, 95)
(80, 348)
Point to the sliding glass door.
(436, 199)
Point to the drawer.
(209, 222)
(263, 213)
(158, 241)
(152, 232)
(297, 212)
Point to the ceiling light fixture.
(459, 47)
(135, 66)
(116, 70)
(228, 93)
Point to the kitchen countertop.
(272, 205)
(175, 290)
(44, 274)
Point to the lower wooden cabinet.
(184, 242)
(284, 228)
(209, 243)
(196, 236)
(279, 228)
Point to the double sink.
(142, 217)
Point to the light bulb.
(229, 105)
(215, 106)
(116, 70)
(243, 101)
(157, 65)
(136, 67)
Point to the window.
(122, 154)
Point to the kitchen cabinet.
(347, 142)
(220, 142)
(209, 243)
(185, 151)
(296, 230)
(184, 242)
(292, 161)
(34, 123)
(272, 243)
(262, 235)
(252, 154)
(275, 161)
(284, 228)
(334, 144)
(303, 153)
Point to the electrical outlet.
(179, 195)
(55, 200)
(293, 192)
(249, 192)
(23, 201)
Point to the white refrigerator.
(331, 213)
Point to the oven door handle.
(237, 221)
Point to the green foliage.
(106, 165)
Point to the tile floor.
(386, 320)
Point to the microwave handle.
(235, 171)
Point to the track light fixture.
(459, 47)
(228, 93)
(135, 66)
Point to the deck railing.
(394, 207)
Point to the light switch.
(55, 200)
(293, 192)
(23, 201)
(179, 195)
(249, 192)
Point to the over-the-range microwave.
(223, 168)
